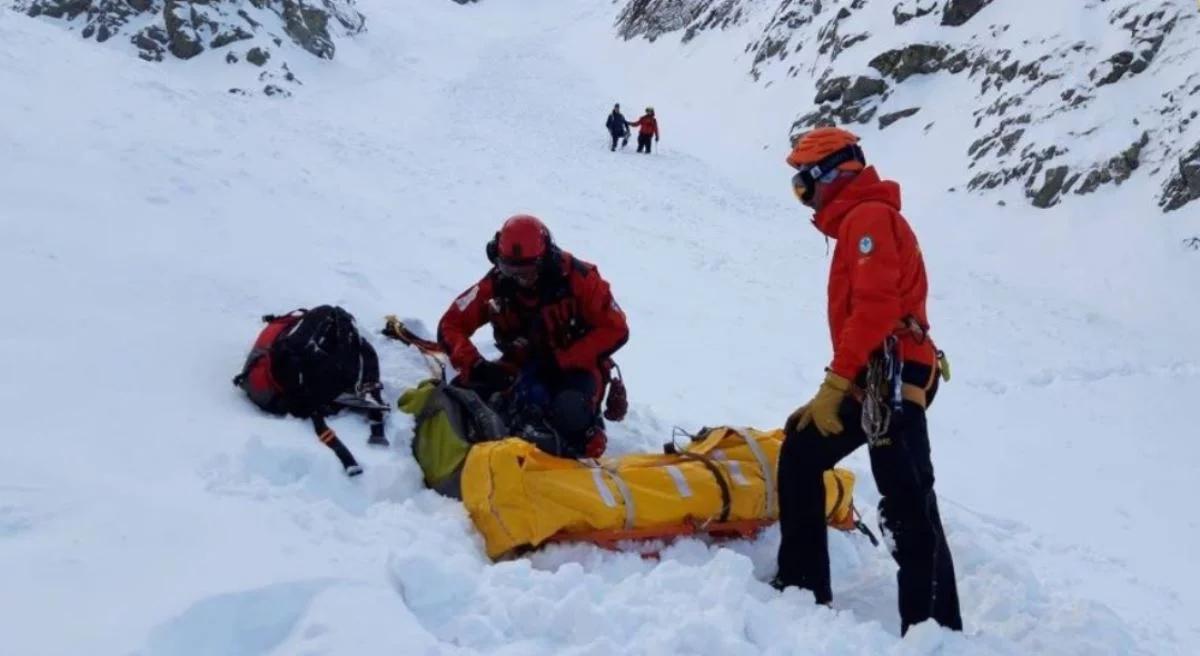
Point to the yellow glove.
(822, 409)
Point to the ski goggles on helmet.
(804, 183)
(525, 272)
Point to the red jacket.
(647, 124)
(877, 277)
(571, 320)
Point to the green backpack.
(448, 420)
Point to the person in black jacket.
(618, 128)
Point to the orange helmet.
(819, 143)
(818, 154)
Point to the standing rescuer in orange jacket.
(882, 378)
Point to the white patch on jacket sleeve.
(467, 298)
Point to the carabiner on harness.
(882, 397)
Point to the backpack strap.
(330, 439)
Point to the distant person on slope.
(556, 324)
(882, 378)
(618, 128)
(647, 127)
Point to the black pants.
(644, 143)
(617, 137)
(573, 407)
(908, 513)
(565, 401)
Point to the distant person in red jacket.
(882, 377)
(647, 127)
(556, 324)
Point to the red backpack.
(256, 378)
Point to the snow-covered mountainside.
(148, 218)
(258, 33)
(1062, 98)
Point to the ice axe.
(435, 356)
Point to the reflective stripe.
(735, 467)
(602, 488)
(765, 466)
(681, 483)
(626, 496)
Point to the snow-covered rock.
(249, 30)
(1065, 99)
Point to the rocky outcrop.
(1042, 98)
(249, 30)
(842, 100)
(958, 12)
(888, 119)
(1183, 185)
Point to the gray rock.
(258, 56)
(183, 41)
(1050, 192)
(68, 9)
(228, 36)
(1183, 186)
(915, 59)
(864, 87)
(192, 26)
(888, 119)
(151, 43)
(1117, 169)
(906, 11)
(275, 90)
(958, 12)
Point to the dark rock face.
(653, 18)
(910, 9)
(258, 56)
(1183, 186)
(918, 59)
(958, 12)
(1048, 194)
(844, 100)
(187, 28)
(193, 26)
(888, 119)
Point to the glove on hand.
(822, 410)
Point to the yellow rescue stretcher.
(723, 483)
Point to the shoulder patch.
(467, 298)
(866, 245)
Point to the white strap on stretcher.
(681, 484)
(606, 494)
(765, 466)
(735, 467)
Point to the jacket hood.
(865, 187)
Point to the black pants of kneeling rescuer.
(908, 511)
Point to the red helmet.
(523, 239)
(519, 248)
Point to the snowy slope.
(149, 218)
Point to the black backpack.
(318, 358)
(312, 363)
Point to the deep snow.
(148, 218)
